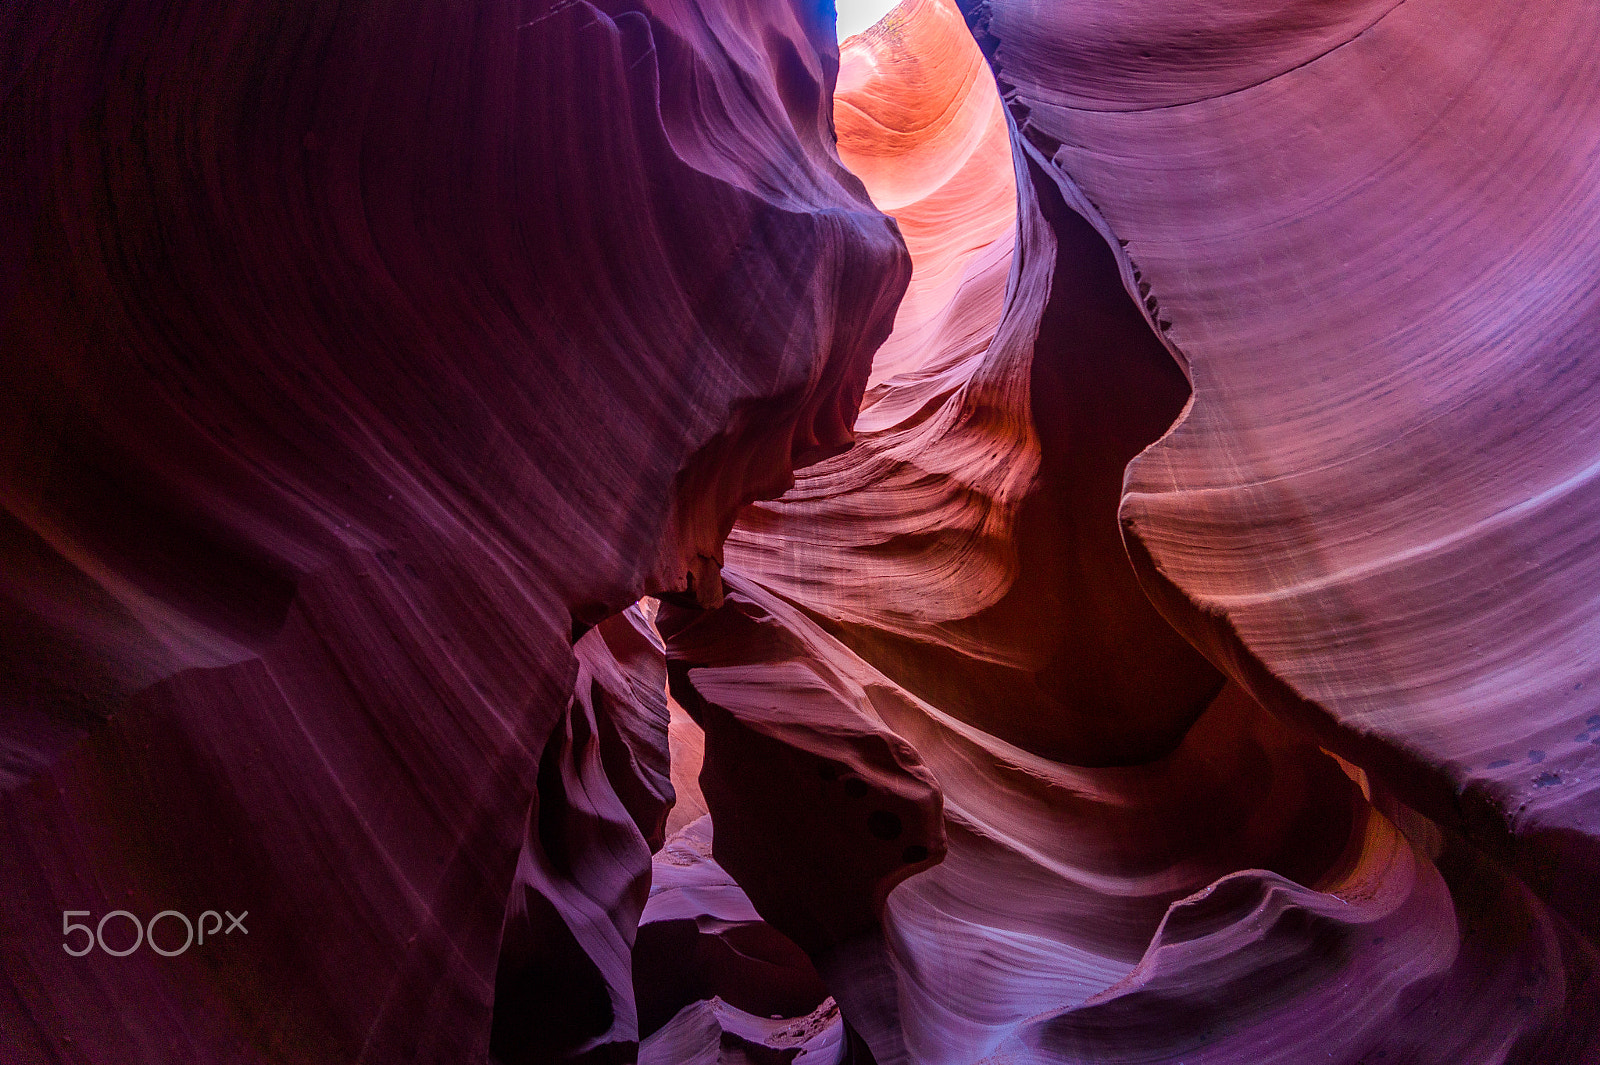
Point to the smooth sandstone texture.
(355, 361)
(564, 982)
(1368, 230)
(1139, 861)
(1155, 624)
(976, 462)
(718, 984)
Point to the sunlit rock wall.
(1147, 854)
(488, 492)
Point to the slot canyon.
(638, 532)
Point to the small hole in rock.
(884, 824)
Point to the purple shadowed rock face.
(1157, 620)
(356, 359)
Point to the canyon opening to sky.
(857, 16)
(729, 532)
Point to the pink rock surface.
(1365, 229)
(564, 980)
(1154, 624)
(713, 1033)
(938, 160)
(1140, 862)
(976, 462)
(711, 974)
(1240, 900)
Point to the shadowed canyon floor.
(629, 531)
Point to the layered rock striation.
(1147, 853)
(1360, 227)
(618, 532)
(357, 360)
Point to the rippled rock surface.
(1149, 854)
(622, 531)
(1364, 228)
(359, 359)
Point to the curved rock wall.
(1363, 227)
(1128, 607)
(357, 359)
(1140, 862)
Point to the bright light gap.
(855, 16)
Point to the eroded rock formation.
(490, 493)
(1361, 227)
(356, 360)
(1135, 845)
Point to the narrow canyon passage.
(704, 532)
(1116, 820)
